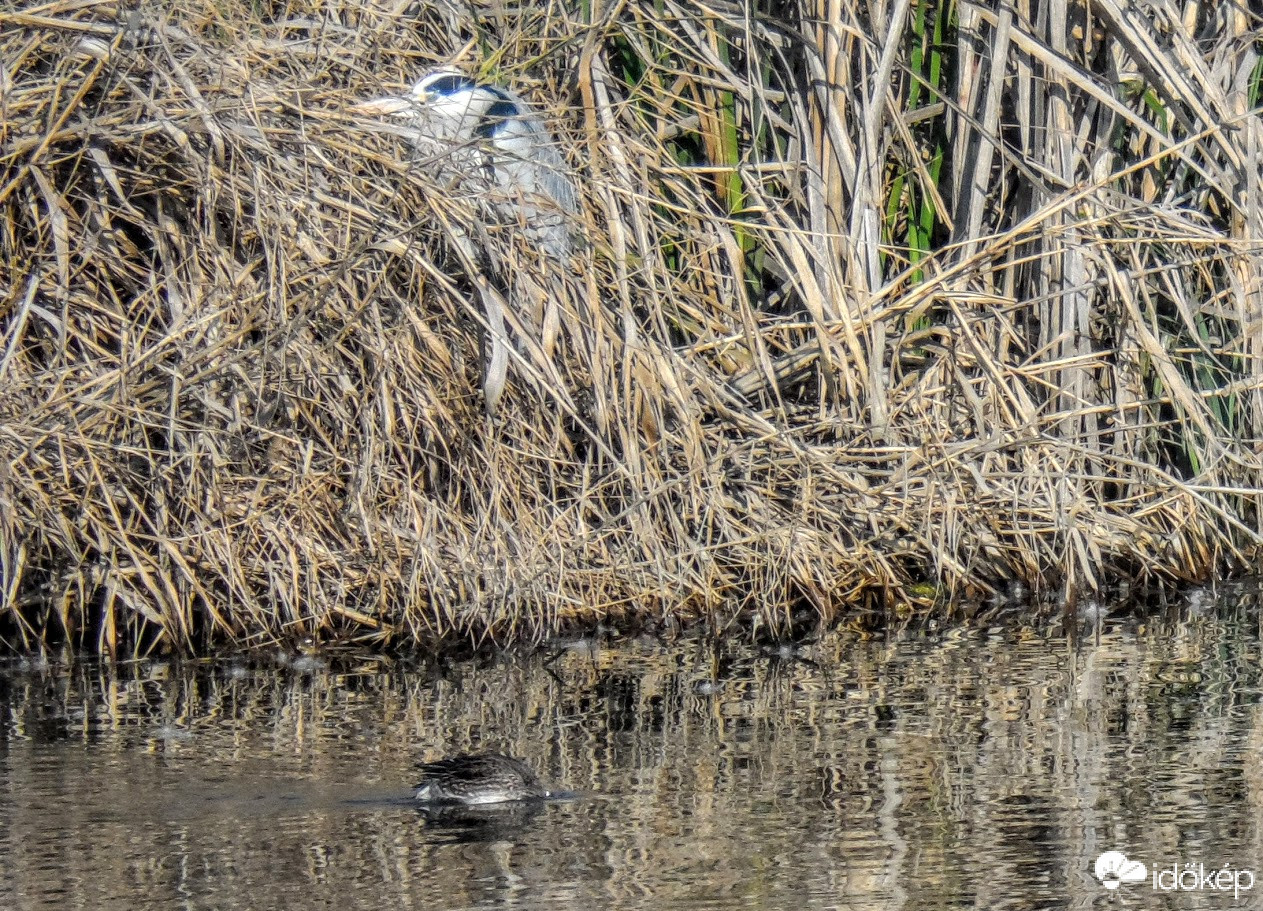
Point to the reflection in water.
(985, 767)
(480, 822)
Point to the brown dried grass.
(241, 359)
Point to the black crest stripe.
(495, 117)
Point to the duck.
(473, 779)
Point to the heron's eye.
(495, 117)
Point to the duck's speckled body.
(480, 778)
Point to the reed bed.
(882, 309)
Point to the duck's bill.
(383, 107)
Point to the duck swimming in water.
(480, 778)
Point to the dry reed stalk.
(241, 355)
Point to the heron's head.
(449, 106)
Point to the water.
(988, 767)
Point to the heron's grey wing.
(551, 176)
(532, 176)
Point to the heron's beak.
(392, 105)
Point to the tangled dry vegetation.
(877, 312)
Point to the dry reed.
(878, 312)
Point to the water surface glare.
(982, 768)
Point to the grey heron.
(494, 144)
(485, 126)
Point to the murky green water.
(983, 768)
